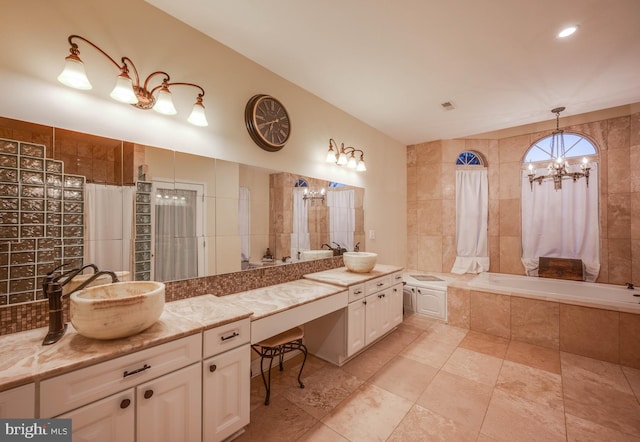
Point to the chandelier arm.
(154, 74)
(128, 63)
(75, 51)
(177, 83)
(332, 142)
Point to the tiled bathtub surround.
(34, 315)
(601, 334)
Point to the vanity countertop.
(277, 298)
(344, 278)
(25, 359)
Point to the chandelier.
(346, 156)
(137, 93)
(558, 167)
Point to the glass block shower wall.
(41, 219)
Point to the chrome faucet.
(52, 288)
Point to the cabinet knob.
(125, 403)
(380, 284)
(212, 368)
(364, 302)
(148, 394)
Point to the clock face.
(267, 122)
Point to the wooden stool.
(277, 346)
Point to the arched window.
(469, 158)
(574, 146)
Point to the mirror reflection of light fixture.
(313, 195)
(128, 91)
(558, 167)
(345, 156)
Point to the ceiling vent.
(447, 105)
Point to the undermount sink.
(359, 262)
(116, 310)
(307, 255)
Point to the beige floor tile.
(279, 421)
(512, 418)
(442, 332)
(322, 391)
(532, 384)
(534, 356)
(581, 430)
(369, 414)
(474, 366)
(598, 372)
(321, 433)
(602, 404)
(457, 398)
(633, 377)
(421, 424)
(420, 322)
(483, 343)
(428, 351)
(398, 340)
(368, 362)
(405, 377)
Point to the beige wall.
(33, 57)
(431, 195)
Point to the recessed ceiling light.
(567, 31)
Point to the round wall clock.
(267, 122)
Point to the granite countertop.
(344, 278)
(25, 359)
(274, 299)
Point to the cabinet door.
(375, 317)
(431, 303)
(356, 326)
(107, 420)
(226, 393)
(395, 305)
(170, 407)
(19, 402)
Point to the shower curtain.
(561, 223)
(244, 223)
(342, 217)
(109, 224)
(472, 208)
(300, 237)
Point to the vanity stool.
(275, 347)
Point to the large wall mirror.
(159, 214)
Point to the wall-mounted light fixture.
(345, 156)
(128, 90)
(313, 195)
(558, 167)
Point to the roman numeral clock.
(267, 122)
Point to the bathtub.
(604, 296)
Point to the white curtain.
(109, 221)
(342, 217)
(300, 237)
(561, 223)
(244, 223)
(472, 208)
(176, 241)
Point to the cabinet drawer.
(356, 292)
(375, 285)
(396, 278)
(80, 387)
(226, 337)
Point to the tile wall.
(431, 197)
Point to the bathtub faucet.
(630, 285)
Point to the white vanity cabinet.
(374, 309)
(226, 375)
(19, 402)
(151, 395)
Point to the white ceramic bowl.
(307, 255)
(116, 310)
(359, 262)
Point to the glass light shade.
(352, 163)
(198, 117)
(361, 167)
(342, 159)
(73, 74)
(164, 103)
(123, 91)
(331, 156)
